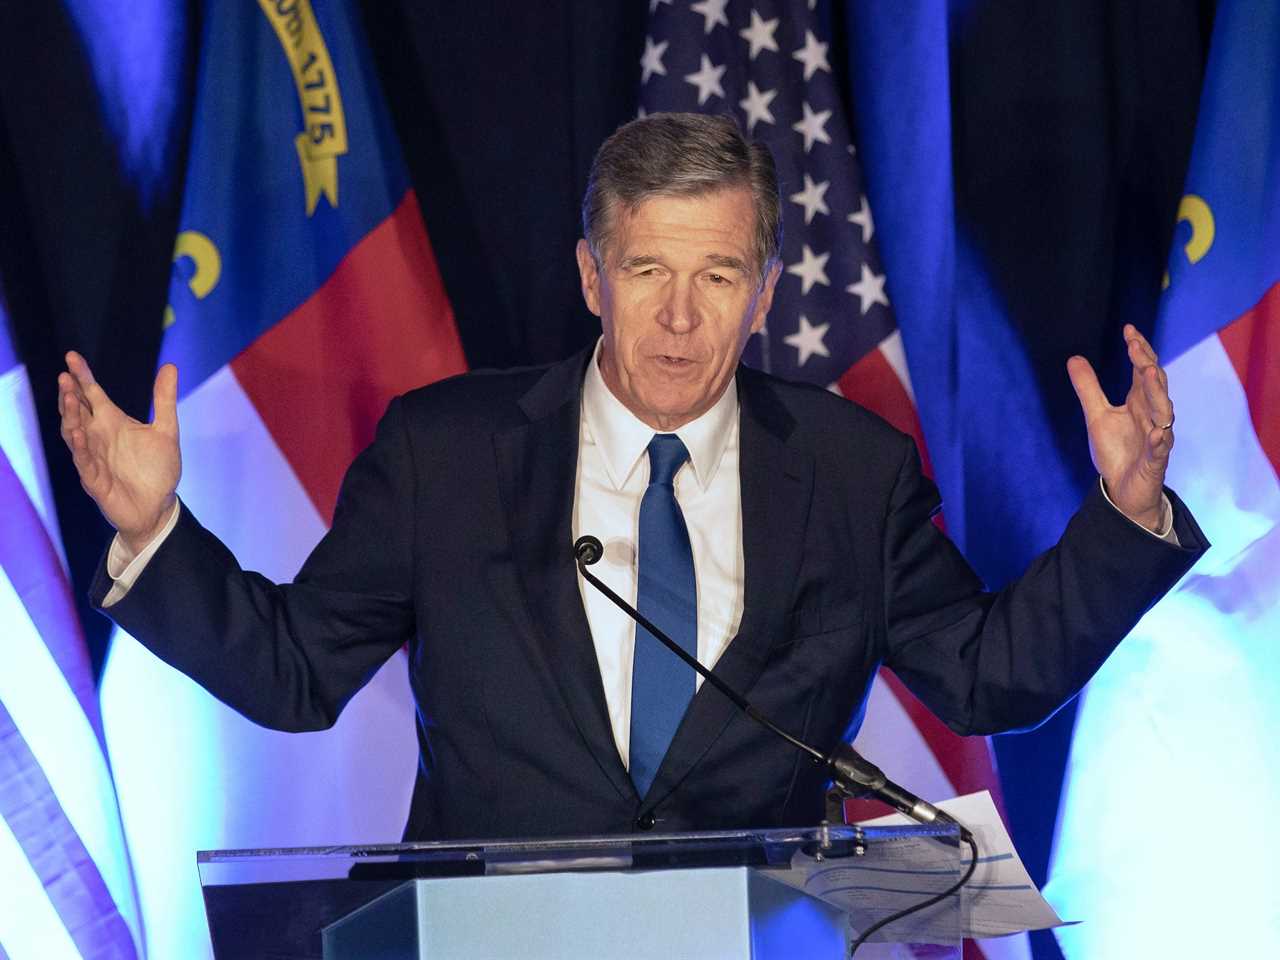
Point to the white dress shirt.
(613, 473)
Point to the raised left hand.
(1130, 443)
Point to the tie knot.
(667, 454)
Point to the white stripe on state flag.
(1218, 465)
(207, 778)
(893, 742)
(49, 718)
(20, 440)
(1187, 707)
(29, 924)
(35, 692)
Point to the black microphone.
(851, 772)
(853, 768)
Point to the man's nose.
(680, 309)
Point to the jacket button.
(645, 821)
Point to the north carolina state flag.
(1190, 703)
(304, 296)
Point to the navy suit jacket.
(452, 534)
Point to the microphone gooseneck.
(850, 771)
(588, 550)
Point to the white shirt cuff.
(1165, 532)
(125, 568)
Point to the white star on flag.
(863, 219)
(651, 59)
(756, 105)
(811, 269)
(712, 12)
(760, 34)
(808, 340)
(813, 55)
(707, 80)
(869, 289)
(812, 197)
(813, 126)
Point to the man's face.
(677, 297)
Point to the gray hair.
(681, 155)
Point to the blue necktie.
(661, 685)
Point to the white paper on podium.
(999, 899)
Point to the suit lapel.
(777, 485)
(537, 473)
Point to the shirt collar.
(623, 437)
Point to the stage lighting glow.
(1167, 844)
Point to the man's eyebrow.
(639, 260)
(723, 261)
(729, 263)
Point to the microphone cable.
(923, 904)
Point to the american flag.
(65, 885)
(771, 66)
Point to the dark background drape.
(1072, 126)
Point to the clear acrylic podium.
(740, 894)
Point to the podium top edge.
(491, 848)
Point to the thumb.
(1085, 383)
(164, 399)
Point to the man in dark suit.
(779, 533)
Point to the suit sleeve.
(288, 656)
(993, 662)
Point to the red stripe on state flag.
(1252, 343)
(380, 325)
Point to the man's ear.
(764, 300)
(590, 275)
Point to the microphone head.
(587, 550)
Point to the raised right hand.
(131, 469)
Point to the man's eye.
(717, 279)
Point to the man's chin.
(670, 412)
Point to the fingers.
(78, 412)
(1141, 354)
(1152, 384)
(164, 398)
(74, 430)
(91, 395)
(72, 406)
(1135, 340)
(1156, 393)
(70, 397)
(1149, 379)
(1159, 446)
(1085, 383)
